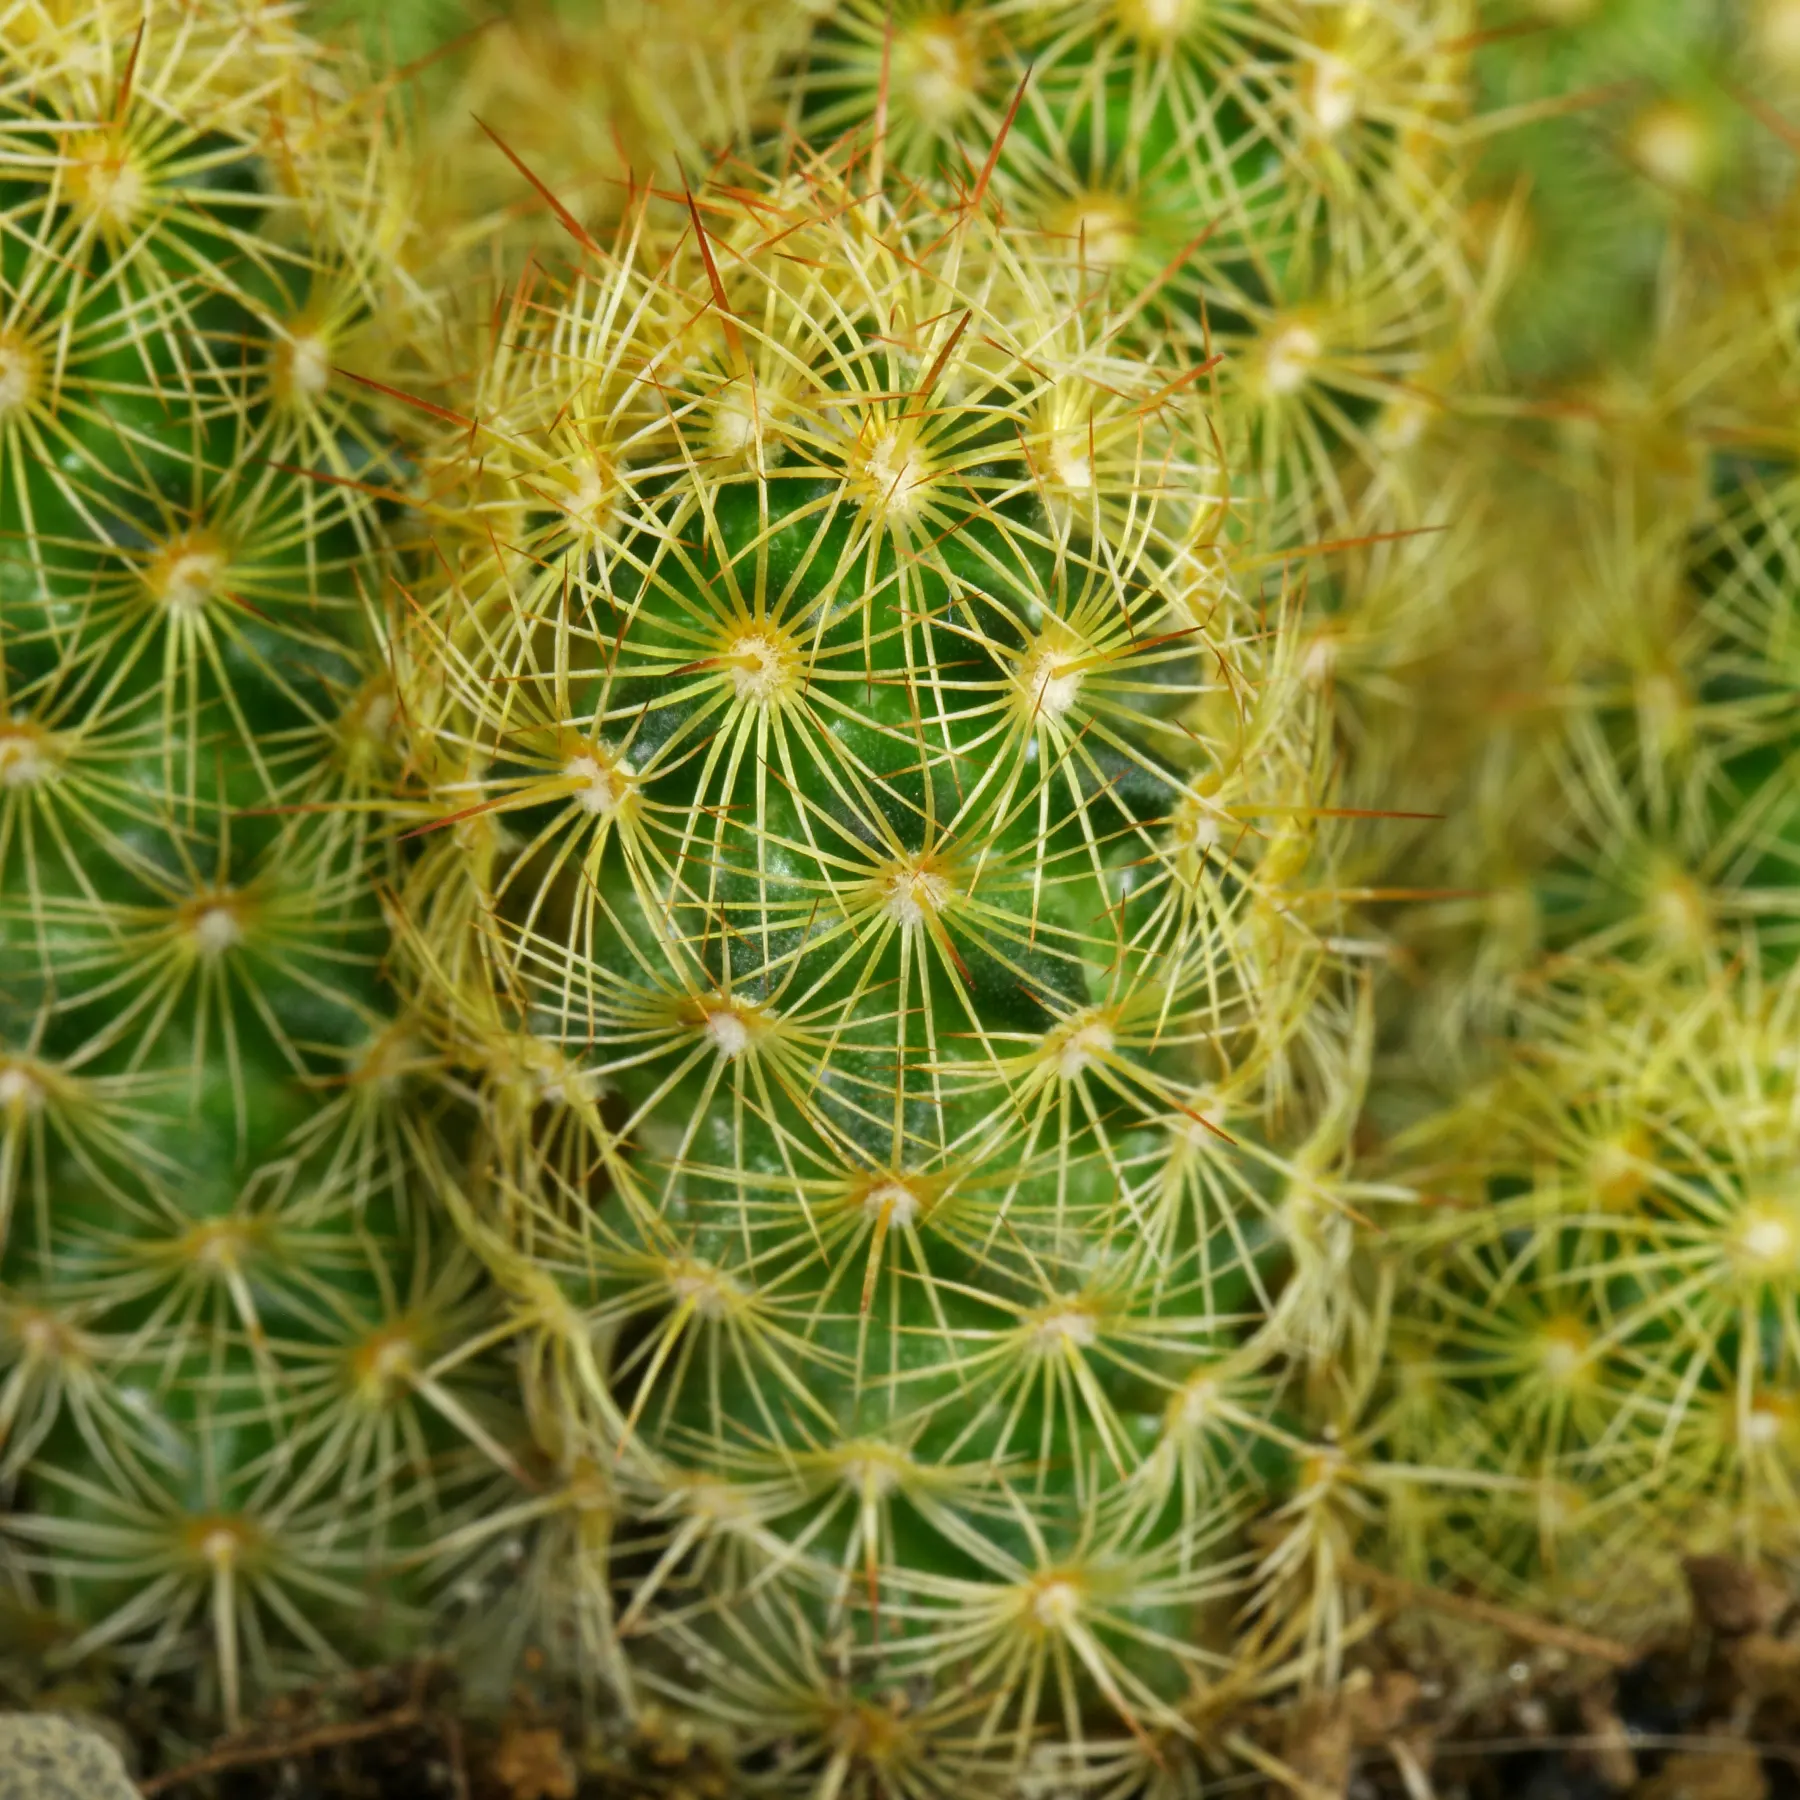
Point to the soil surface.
(1434, 1709)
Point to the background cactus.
(1593, 1323)
(242, 1360)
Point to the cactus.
(878, 807)
(875, 860)
(998, 881)
(243, 1371)
(1613, 1330)
(1594, 1340)
(599, 97)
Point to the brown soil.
(1710, 1713)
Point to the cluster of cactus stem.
(1594, 1073)
(902, 874)
(247, 1368)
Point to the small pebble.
(46, 1758)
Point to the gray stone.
(46, 1758)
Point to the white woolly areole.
(876, 1472)
(1562, 1352)
(1197, 1402)
(1678, 908)
(386, 1058)
(216, 929)
(1056, 1604)
(727, 1032)
(1560, 1505)
(1332, 94)
(1190, 1135)
(18, 375)
(188, 580)
(390, 1359)
(22, 761)
(1100, 230)
(897, 1200)
(942, 69)
(1069, 462)
(1320, 659)
(1052, 685)
(896, 473)
(590, 503)
(40, 1335)
(219, 1244)
(108, 182)
(605, 785)
(1073, 1325)
(1672, 144)
(1666, 705)
(1617, 1167)
(562, 1083)
(912, 894)
(710, 1291)
(1778, 32)
(220, 1546)
(1402, 422)
(1288, 360)
(1196, 827)
(1081, 1046)
(1768, 1241)
(1163, 19)
(719, 1502)
(759, 667)
(734, 423)
(371, 716)
(19, 1088)
(309, 365)
(1762, 1425)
